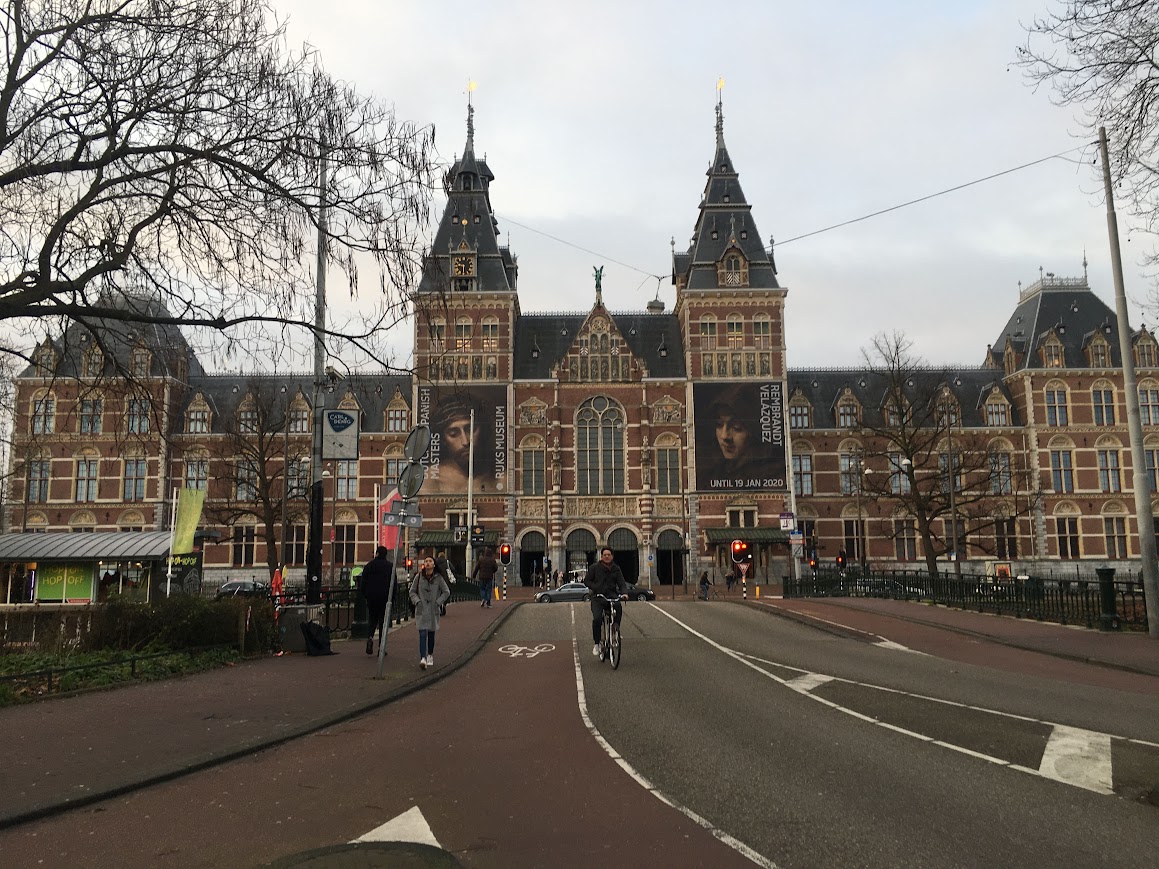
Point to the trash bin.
(290, 621)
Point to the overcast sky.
(597, 120)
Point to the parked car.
(566, 592)
(242, 588)
(579, 591)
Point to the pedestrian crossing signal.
(505, 553)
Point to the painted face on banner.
(732, 436)
(448, 461)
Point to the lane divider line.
(1073, 750)
(881, 642)
(717, 833)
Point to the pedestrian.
(374, 585)
(704, 585)
(429, 592)
(484, 573)
(444, 567)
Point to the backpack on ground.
(317, 639)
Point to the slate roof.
(118, 338)
(725, 213)
(823, 387)
(468, 219)
(97, 546)
(225, 392)
(1067, 307)
(552, 335)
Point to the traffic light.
(409, 562)
(505, 553)
(813, 561)
(841, 560)
(740, 552)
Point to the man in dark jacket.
(605, 578)
(485, 569)
(374, 585)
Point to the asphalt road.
(759, 736)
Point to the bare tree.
(171, 150)
(1102, 58)
(927, 465)
(253, 459)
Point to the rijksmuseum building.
(664, 434)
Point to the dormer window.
(1052, 355)
(847, 414)
(139, 362)
(466, 182)
(1100, 354)
(733, 270)
(1145, 354)
(45, 362)
(94, 362)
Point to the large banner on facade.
(447, 410)
(740, 436)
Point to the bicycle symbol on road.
(526, 651)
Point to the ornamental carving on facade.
(667, 411)
(533, 412)
(583, 507)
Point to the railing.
(342, 606)
(54, 678)
(1066, 601)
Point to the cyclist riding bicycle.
(605, 577)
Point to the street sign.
(411, 480)
(787, 523)
(797, 537)
(413, 521)
(339, 435)
(460, 534)
(477, 535)
(417, 443)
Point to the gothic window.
(463, 333)
(90, 415)
(803, 473)
(1103, 402)
(136, 471)
(734, 329)
(1100, 353)
(532, 460)
(139, 362)
(599, 448)
(1149, 403)
(490, 334)
(1052, 354)
(87, 477)
(997, 414)
(732, 270)
(1056, 413)
(39, 471)
(197, 471)
(44, 415)
(138, 415)
(847, 414)
(1145, 354)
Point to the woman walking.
(428, 593)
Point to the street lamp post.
(333, 522)
(953, 480)
(859, 528)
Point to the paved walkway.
(70, 751)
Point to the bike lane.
(496, 757)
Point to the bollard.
(744, 588)
(1108, 615)
(758, 594)
(504, 583)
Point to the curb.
(802, 618)
(252, 747)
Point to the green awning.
(718, 536)
(444, 538)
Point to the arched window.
(667, 465)
(532, 455)
(599, 448)
(1056, 409)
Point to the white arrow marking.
(1078, 757)
(410, 826)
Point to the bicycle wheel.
(614, 646)
(604, 641)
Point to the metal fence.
(1088, 601)
(342, 607)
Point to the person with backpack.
(374, 585)
(429, 592)
(484, 573)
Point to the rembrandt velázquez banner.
(740, 436)
(447, 410)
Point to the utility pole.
(314, 555)
(1141, 481)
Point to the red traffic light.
(409, 563)
(505, 553)
(740, 552)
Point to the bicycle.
(610, 633)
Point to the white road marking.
(526, 651)
(1073, 753)
(1078, 757)
(410, 826)
(808, 682)
(737, 845)
(881, 642)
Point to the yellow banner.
(189, 502)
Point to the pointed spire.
(719, 113)
(470, 149)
